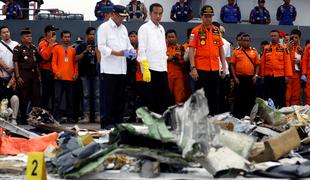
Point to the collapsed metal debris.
(223, 145)
(43, 120)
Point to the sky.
(85, 7)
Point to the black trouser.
(61, 88)
(224, 94)
(158, 92)
(275, 88)
(114, 99)
(30, 91)
(4, 91)
(47, 89)
(141, 94)
(244, 96)
(77, 98)
(131, 91)
(210, 82)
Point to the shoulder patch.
(191, 38)
(215, 31)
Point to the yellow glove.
(145, 69)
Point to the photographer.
(86, 55)
(45, 49)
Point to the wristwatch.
(193, 67)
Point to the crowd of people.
(181, 11)
(119, 71)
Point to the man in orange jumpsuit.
(276, 67)
(293, 88)
(65, 72)
(176, 67)
(306, 72)
(45, 50)
(244, 69)
(206, 46)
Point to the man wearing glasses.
(260, 15)
(205, 47)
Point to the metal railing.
(48, 14)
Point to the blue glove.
(133, 54)
(303, 78)
(130, 54)
(126, 53)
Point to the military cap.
(25, 31)
(207, 10)
(49, 28)
(121, 10)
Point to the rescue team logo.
(202, 37)
(280, 49)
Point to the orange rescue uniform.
(207, 44)
(276, 61)
(46, 53)
(176, 73)
(63, 63)
(245, 70)
(244, 66)
(306, 71)
(293, 85)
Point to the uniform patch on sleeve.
(191, 38)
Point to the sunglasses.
(261, 1)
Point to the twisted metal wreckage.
(269, 143)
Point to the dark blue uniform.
(13, 11)
(230, 14)
(286, 14)
(182, 12)
(100, 8)
(259, 16)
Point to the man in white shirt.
(153, 59)
(7, 84)
(114, 47)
